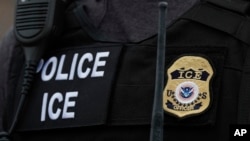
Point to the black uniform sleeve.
(7, 45)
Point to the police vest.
(104, 91)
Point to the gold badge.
(187, 91)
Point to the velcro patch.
(72, 88)
(188, 91)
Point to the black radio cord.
(32, 56)
(29, 73)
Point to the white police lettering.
(48, 106)
(98, 63)
(86, 57)
(67, 104)
(59, 74)
(54, 115)
(40, 66)
(53, 62)
(87, 65)
(44, 106)
(73, 67)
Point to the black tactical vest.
(97, 91)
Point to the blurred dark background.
(6, 15)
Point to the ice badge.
(187, 92)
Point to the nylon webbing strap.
(244, 95)
(221, 19)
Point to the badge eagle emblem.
(187, 91)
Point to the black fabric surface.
(130, 20)
(129, 112)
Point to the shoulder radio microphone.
(36, 23)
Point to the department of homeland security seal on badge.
(187, 91)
